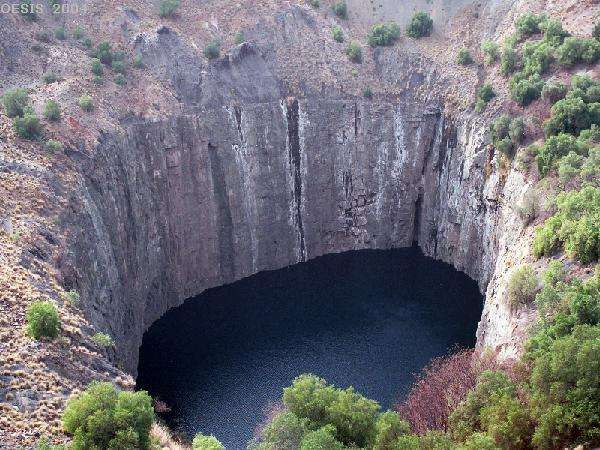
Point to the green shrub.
(212, 49)
(87, 43)
(516, 130)
(574, 226)
(537, 58)
(554, 91)
(479, 441)
(52, 111)
(338, 34)
(464, 57)
(138, 62)
(103, 340)
(420, 25)
(352, 415)
(506, 147)
(239, 38)
(596, 32)
(490, 52)
(575, 50)
(85, 103)
(73, 297)
(28, 126)
(354, 52)
(120, 80)
(15, 101)
(522, 286)
(388, 428)
(340, 9)
(284, 431)
(167, 8)
(509, 61)
(486, 92)
(60, 34)
(507, 421)
(480, 105)
(314, 3)
(569, 167)
(42, 320)
(529, 24)
(553, 149)
(384, 34)
(97, 68)
(42, 36)
(323, 438)
(53, 146)
(525, 90)
(202, 442)
(564, 390)
(49, 77)
(367, 92)
(103, 417)
(571, 115)
(104, 53)
(591, 166)
(78, 33)
(554, 33)
(118, 67)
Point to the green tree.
(15, 101)
(464, 57)
(321, 439)
(354, 52)
(388, 428)
(103, 417)
(522, 286)
(212, 49)
(283, 432)
(384, 34)
(28, 126)
(202, 442)
(42, 320)
(52, 110)
(420, 25)
(490, 51)
(338, 34)
(340, 9)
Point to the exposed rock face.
(248, 179)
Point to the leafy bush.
(367, 92)
(338, 34)
(352, 415)
(420, 25)
(509, 61)
(44, 444)
(85, 103)
(388, 428)
(464, 57)
(87, 43)
(202, 442)
(42, 320)
(537, 58)
(565, 394)
(570, 166)
(73, 297)
(52, 111)
(479, 441)
(49, 77)
(97, 68)
(596, 32)
(554, 91)
(28, 126)
(384, 34)
(284, 431)
(522, 286)
(490, 51)
(590, 169)
(120, 80)
(60, 34)
(314, 3)
(553, 149)
(340, 9)
(78, 33)
(354, 52)
(525, 90)
(118, 67)
(104, 53)
(574, 226)
(516, 130)
(103, 417)
(167, 8)
(323, 438)
(138, 62)
(239, 38)
(571, 115)
(554, 33)
(575, 50)
(15, 101)
(212, 49)
(53, 146)
(507, 421)
(529, 24)
(103, 340)
(484, 95)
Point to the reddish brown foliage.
(440, 387)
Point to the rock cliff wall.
(237, 184)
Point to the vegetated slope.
(39, 181)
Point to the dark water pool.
(369, 319)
